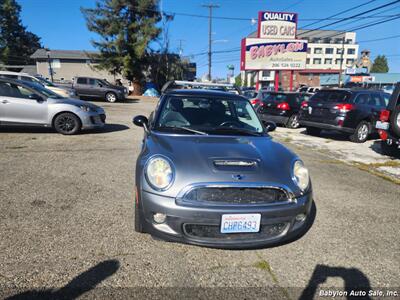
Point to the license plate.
(382, 125)
(240, 223)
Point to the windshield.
(331, 96)
(38, 87)
(274, 97)
(210, 115)
(45, 82)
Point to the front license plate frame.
(240, 223)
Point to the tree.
(380, 65)
(126, 28)
(16, 43)
(238, 80)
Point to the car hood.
(71, 101)
(197, 159)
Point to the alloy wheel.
(66, 123)
(363, 132)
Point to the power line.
(293, 5)
(342, 12)
(380, 39)
(348, 18)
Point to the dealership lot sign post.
(276, 47)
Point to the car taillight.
(283, 106)
(384, 115)
(345, 107)
(383, 134)
(304, 104)
(254, 101)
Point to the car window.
(9, 76)
(375, 100)
(274, 97)
(81, 81)
(95, 82)
(13, 90)
(362, 99)
(386, 99)
(207, 114)
(26, 78)
(331, 96)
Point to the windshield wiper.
(236, 130)
(185, 128)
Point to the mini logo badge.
(237, 177)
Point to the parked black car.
(352, 112)
(388, 124)
(282, 108)
(94, 87)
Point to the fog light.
(301, 217)
(159, 218)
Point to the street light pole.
(341, 63)
(210, 7)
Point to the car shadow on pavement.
(33, 129)
(79, 285)
(354, 280)
(376, 147)
(327, 134)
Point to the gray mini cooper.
(209, 174)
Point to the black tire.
(138, 219)
(389, 150)
(67, 123)
(395, 120)
(111, 97)
(313, 131)
(361, 133)
(293, 121)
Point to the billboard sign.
(277, 25)
(263, 54)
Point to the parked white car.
(62, 91)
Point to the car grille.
(236, 195)
(103, 118)
(213, 232)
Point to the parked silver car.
(209, 174)
(24, 103)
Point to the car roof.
(14, 73)
(204, 93)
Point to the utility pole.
(341, 63)
(49, 63)
(210, 7)
(180, 47)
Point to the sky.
(61, 25)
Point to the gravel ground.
(66, 227)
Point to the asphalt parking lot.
(66, 214)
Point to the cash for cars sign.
(263, 54)
(277, 25)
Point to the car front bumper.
(326, 126)
(275, 118)
(200, 225)
(92, 120)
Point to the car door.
(19, 104)
(82, 86)
(97, 88)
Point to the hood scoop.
(234, 163)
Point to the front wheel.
(293, 121)
(361, 133)
(111, 97)
(138, 219)
(67, 124)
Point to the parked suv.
(352, 112)
(94, 87)
(282, 108)
(388, 124)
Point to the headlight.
(85, 108)
(300, 175)
(159, 173)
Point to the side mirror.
(100, 85)
(269, 126)
(35, 97)
(141, 121)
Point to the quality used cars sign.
(277, 25)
